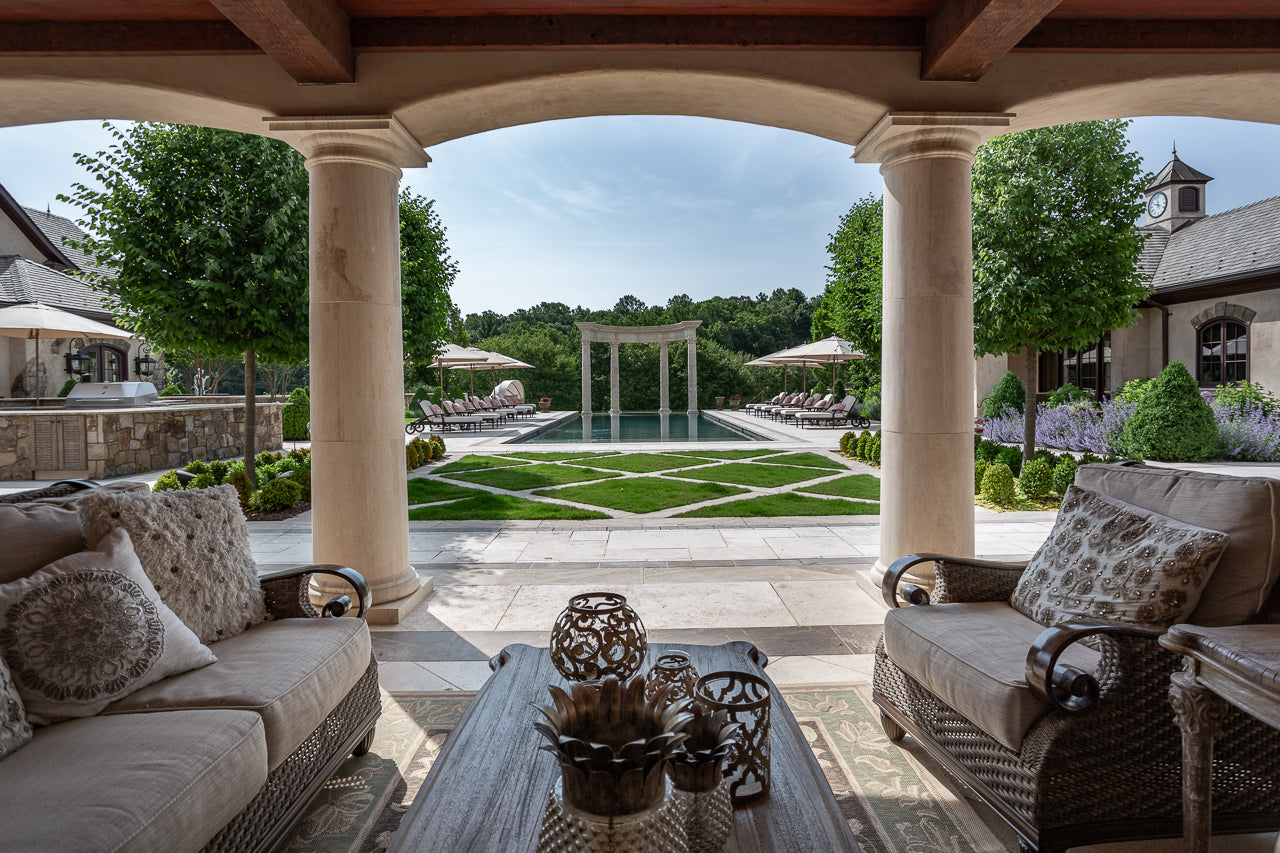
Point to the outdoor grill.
(111, 395)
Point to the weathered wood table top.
(488, 787)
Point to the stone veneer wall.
(121, 442)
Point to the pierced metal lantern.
(673, 669)
(745, 697)
(598, 634)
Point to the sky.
(585, 211)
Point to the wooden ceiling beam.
(121, 38)
(309, 39)
(1062, 35)
(964, 38)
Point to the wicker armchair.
(1101, 757)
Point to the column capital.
(375, 140)
(901, 136)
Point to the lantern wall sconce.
(75, 361)
(143, 364)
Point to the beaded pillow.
(1112, 560)
(14, 728)
(89, 629)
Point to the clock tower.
(1175, 198)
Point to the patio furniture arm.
(287, 591)
(958, 579)
(1068, 687)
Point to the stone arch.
(1224, 309)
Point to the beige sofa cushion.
(140, 783)
(292, 672)
(1247, 509)
(35, 534)
(973, 657)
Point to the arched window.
(1189, 199)
(1224, 352)
(105, 363)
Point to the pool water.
(640, 426)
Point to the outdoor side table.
(488, 787)
(1238, 665)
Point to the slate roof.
(1235, 243)
(23, 280)
(1177, 171)
(61, 231)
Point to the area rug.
(892, 804)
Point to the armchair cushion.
(194, 545)
(1112, 560)
(973, 657)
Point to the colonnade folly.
(660, 335)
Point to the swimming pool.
(602, 428)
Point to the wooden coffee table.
(489, 785)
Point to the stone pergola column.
(664, 379)
(586, 376)
(614, 384)
(359, 505)
(928, 364)
(693, 371)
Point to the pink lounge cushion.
(89, 629)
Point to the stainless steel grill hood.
(110, 395)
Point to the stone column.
(664, 379)
(928, 364)
(586, 376)
(693, 372)
(614, 388)
(359, 505)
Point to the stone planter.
(719, 402)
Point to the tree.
(1054, 244)
(426, 273)
(851, 306)
(208, 230)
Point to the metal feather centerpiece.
(613, 746)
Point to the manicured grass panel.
(531, 477)
(640, 463)
(804, 460)
(642, 494)
(722, 454)
(424, 491)
(490, 507)
(768, 506)
(751, 474)
(856, 486)
(471, 462)
(556, 457)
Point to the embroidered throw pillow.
(1112, 560)
(14, 728)
(89, 629)
(194, 545)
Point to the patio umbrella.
(32, 320)
(828, 350)
(452, 356)
(498, 361)
(478, 358)
(782, 359)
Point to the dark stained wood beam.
(964, 38)
(1062, 35)
(309, 39)
(122, 38)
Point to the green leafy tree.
(208, 231)
(427, 271)
(851, 304)
(1055, 248)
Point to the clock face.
(1157, 204)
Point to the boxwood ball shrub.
(1064, 474)
(203, 480)
(302, 476)
(1008, 394)
(979, 468)
(1036, 479)
(1011, 456)
(197, 466)
(280, 493)
(847, 440)
(987, 451)
(875, 449)
(1172, 422)
(219, 470)
(172, 391)
(997, 484)
(168, 482)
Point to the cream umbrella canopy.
(33, 320)
(781, 359)
(454, 356)
(831, 350)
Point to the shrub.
(1243, 396)
(301, 454)
(1012, 457)
(1047, 455)
(295, 415)
(240, 480)
(438, 441)
(266, 457)
(997, 484)
(860, 445)
(203, 480)
(1008, 394)
(1134, 390)
(1069, 394)
(219, 469)
(1172, 422)
(197, 466)
(979, 468)
(874, 452)
(173, 390)
(168, 482)
(1089, 459)
(280, 493)
(1064, 474)
(412, 456)
(66, 388)
(302, 477)
(987, 451)
(1036, 479)
(847, 441)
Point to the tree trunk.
(250, 416)
(1031, 380)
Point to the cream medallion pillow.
(1112, 560)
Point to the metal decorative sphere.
(598, 634)
(673, 669)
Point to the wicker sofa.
(1066, 730)
(220, 758)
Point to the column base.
(394, 612)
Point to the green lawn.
(499, 507)
(788, 504)
(557, 457)
(722, 454)
(856, 486)
(640, 463)
(471, 462)
(805, 460)
(751, 474)
(425, 491)
(531, 477)
(642, 494)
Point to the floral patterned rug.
(892, 803)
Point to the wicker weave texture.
(58, 490)
(958, 581)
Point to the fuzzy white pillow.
(194, 545)
(89, 629)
